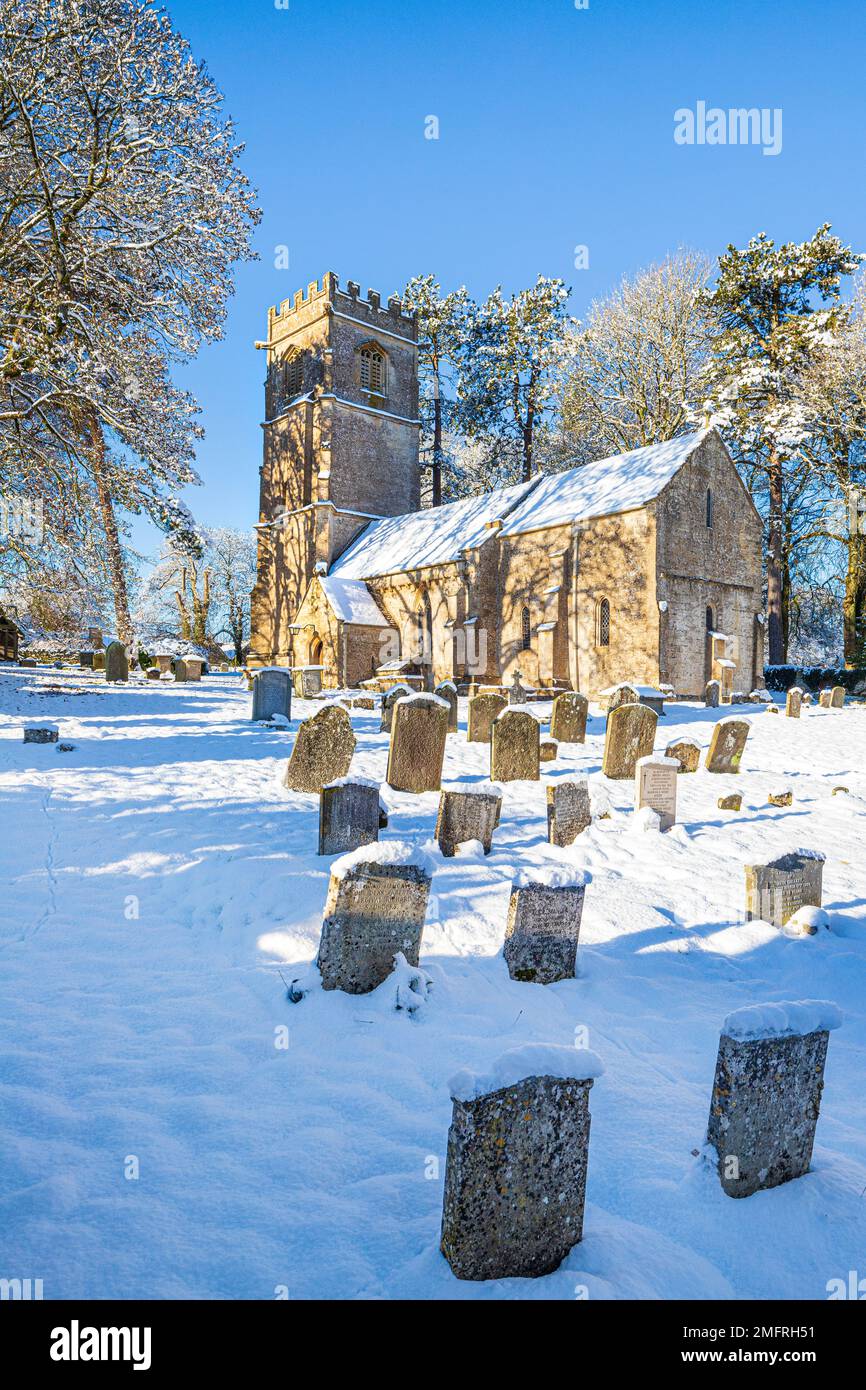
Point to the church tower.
(341, 436)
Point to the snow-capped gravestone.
(116, 662)
(543, 925)
(712, 694)
(568, 812)
(655, 785)
(837, 697)
(514, 747)
(41, 733)
(348, 815)
(467, 812)
(152, 673)
(568, 718)
(322, 751)
(775, 891)
(272, 693)
(767, 1092)
(727, 745)
(376, 905)
(419, 728)
(389, 700)
(686, 753)
(483, 711)
(794, 702)
(515, 1175)
(448, 691)
(517, 692)
(629, 736)
(824, 699)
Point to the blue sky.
(555, 130)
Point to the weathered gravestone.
(727, 745)
(514, 747)
(348, 815)
(322, 751)
(793, 702)
(712, 694)
(98, 661)
(116, 662)
(685, 752)
(194, 667)
(483, 711)
(376, 905)
(515, 1175)
(419, 729)
(272, 693)
(181, 674)
(467, 812)
(164, 662)
(837, 697)
(656, 787)
(767, 1092)
(41, 733)
(448, 691)
(775, 891)
(152, 673)
(734, 802)
(548, 750)
(568, 812)
(623, 694)
(543, 925)
(629, 736)
(517, 692)
(568, 718)
(389, 700)
(825, 698)
(86, 659)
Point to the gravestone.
(515, 1173)
(181, 675)
(41, 733)
(448, 691)
(712, 695)
(767, 1093)
(98, 661)
(548, 750)
(568, 718)
(419, 728)
(734, 802)
(193, 668)
(322, 751)
(86, 659)
(116, 662)
(514, 747)
(483, 711)
(272, 693)
(517, 692)
(793, 702)
(363, 702)
(348, 815)
(656, 787)
(568, 812)
(629, 736)
(543, 925)
(152, 673)
(837, 697)
(622, 694)
(825, 698)
(775, 891)
(467, 813)
(164, 662)
(780, 798)
(376, 905)
(389, 700)
(727, 745)
(685, 752)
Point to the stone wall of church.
(616, 564)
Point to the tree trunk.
(437, 444)
(854, 603)
(200, 608)
(775, 605)
(183, 614)
(112, 539)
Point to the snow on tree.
(441, 335)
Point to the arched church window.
(373, 371)
(711, 620)
(709, 508)
(293, 375)
(602, 624)
(525, 630)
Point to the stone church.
(643, 567)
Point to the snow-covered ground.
(158, 888)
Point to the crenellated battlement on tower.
(327, 296)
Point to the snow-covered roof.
(352, 602)
(603, 488)
(434, 536)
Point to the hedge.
(814, 678)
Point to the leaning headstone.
(152, 673)
(734, 802)
(629, 736)
(837, 697)
(775, 891)
(569, 812)
(448, 691)
(727, 745)
(825, 698)
(41, 733)
(322, 750)
(376, 905)
(515, 1175)
(544, 924)
(483, 710)
(419, 728)
(348, 815)
(793, 702)
(656, 787)
(272, 693)
(389, 700)
(514, 747)
(467, 812)
(685, 752)
(180, 671)
(712, 694)
(116, 662)
(568, 718)
(767, 1092)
